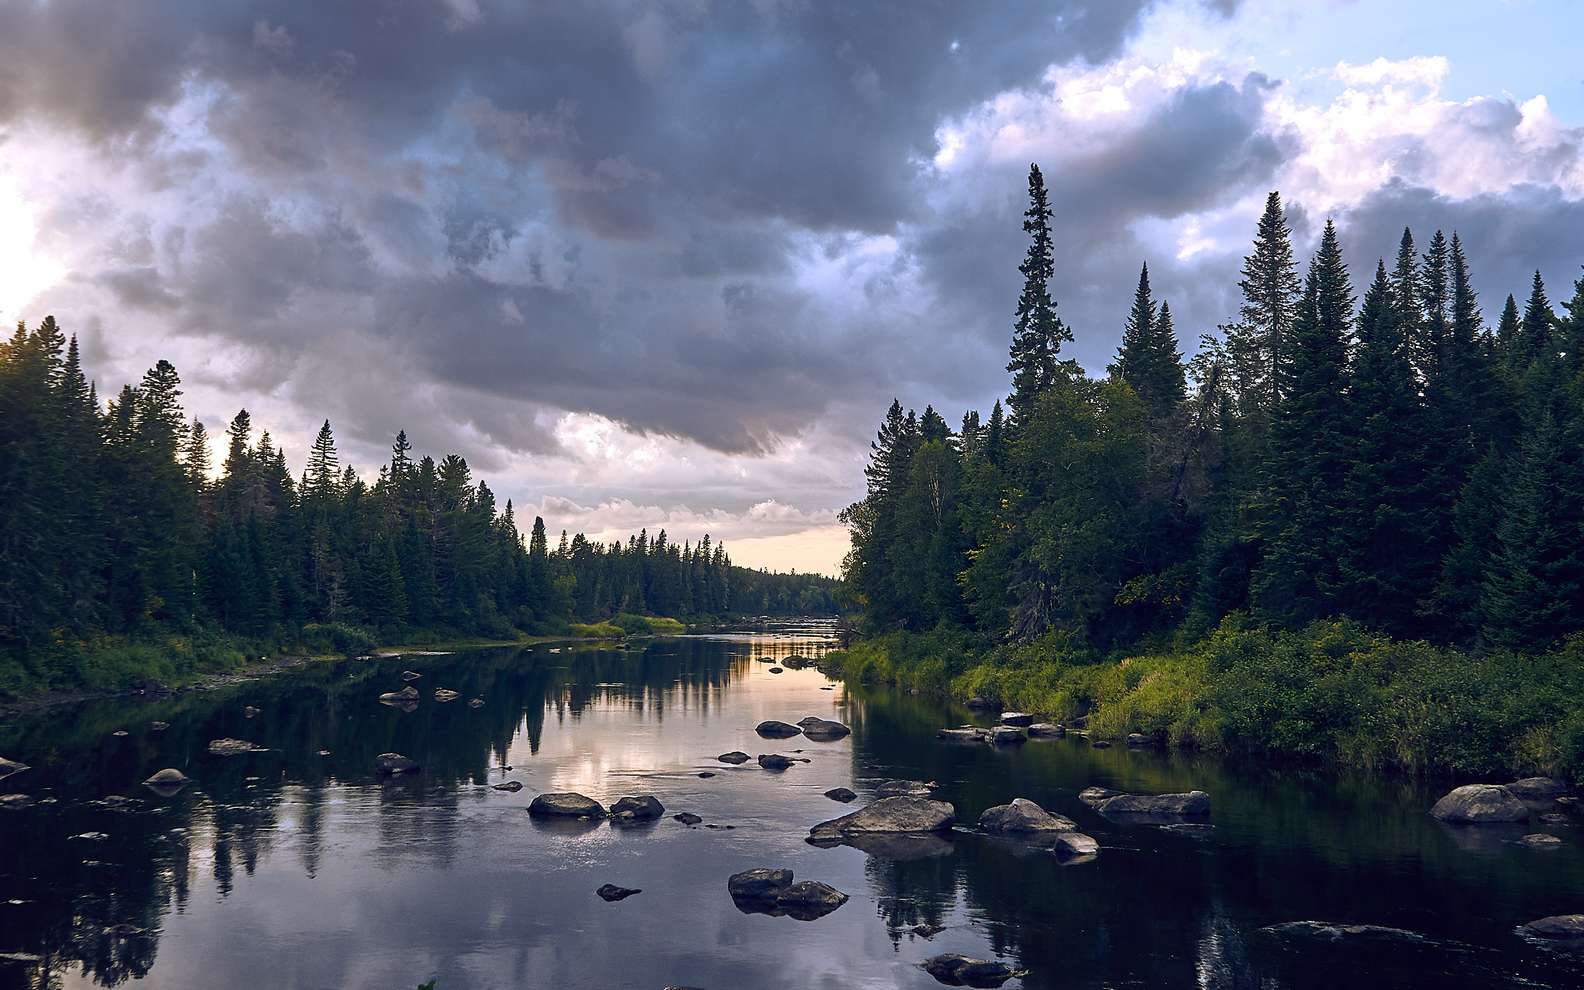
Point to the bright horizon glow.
(24, 272)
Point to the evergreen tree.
(1038, 334)
(1148, 359)
(1257, 344)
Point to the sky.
(664, 265)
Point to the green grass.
(648, 625)
(1330, 693)
(597, 630)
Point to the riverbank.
(1331, 693)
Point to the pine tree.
(1298, 579)
(1038, 334)
(1257, 343)
(1148, 359)
(323, 465)
(195, 456)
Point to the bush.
(648, 625)
(336, 637)
(597, 630)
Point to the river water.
(298, 867)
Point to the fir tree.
(1038, 334)
(1148, 359)
(1257, 344)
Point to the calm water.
(292, 869)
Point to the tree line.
(1393, 459)
(114, 521)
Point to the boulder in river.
(9, 767)
(687, 818)
(1325, 931)
(956, 970)
(1193, 804)
(508, 785)
(445, 694)
(565, 804)
(643, 808)
(775, 761)
(771, 891)
(1006, 735)
(158, 726)
(1046, 730)
(1020, 719)
(758, 884)
(892, 814)
(611, 892)
(825, 730)
(1023, 815)
(795, 662)
(1476, 804)
(1101, 744)
(1538, 788)
(248, 711)
(1138, 740)
(394, 764)
(1540, 840)
(735, 757)
(775, 729)
(965, 733)
(841, 794)
(1075, 845)
(807, 900)
(233, 747)
(406, 695)
(777, 670)
(1559, 927)
(167, 781)
(475, 702)
(15, 802)
(410, 675)
(903, 788)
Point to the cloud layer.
(664, 264)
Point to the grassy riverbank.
(1329, 693)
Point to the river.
(299, 867)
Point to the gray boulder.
(1538, 788)
(841, 794)
(1193, 804)
(9, 767)
(775, 761)
(1023, 815)
(643, 808)
(888, 815)
(1477, 804)
(1324, 931)
(405, 695)
(1020, 719)
(1046, 730)
(759, 884)
(979, 704)
(565, 804)
(1075, 844)
(611, 892)
(1006, 735)
(233, 747)
(410, 675)
(687, 818)
(1139, 739)
(1540, 840)
(956, 970)
(735, 757)
(443, 695)
(825, 730)
(512, 786)
(248, 711)
(903, 788)
(475, 703)
(807, 900)
(773, 729)
(393, 764)
(167, 781)
(771, 891)
(963, 734)
(1569, 927)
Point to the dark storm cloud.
(595, 206)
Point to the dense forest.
(114, 521)
(1390, 470)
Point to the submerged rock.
(956, 970)
(10, 767)
(394, 764)
(1325, 931)
(1019, 719)
(508, 785)
(774, 729)
(1023, 815)
(410, 675)
(965, 733)
(611, 892)
(1540, 840)
(158, 726)
(1193, 804)
(233, 747)
(1474, 804)
(1538, 788)
(167, 781)
(892, 814)
(445, 694)
(735, 757)
(1101, 744)
(825, 730)
(706, 774)
(407, 695)
(687, 818)
(1006, 735)
(841, 794)
(777, 670)
(475, 702)
(775, 761)
(903, 788)
(565, 804)
(1046, 730)
(643, 808)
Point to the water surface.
(294, 869)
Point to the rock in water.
(394, 764)
(249, 712)
(509, 785)
(158, 726)
(773, 729)
(1194, 804)
(893, 814)
(233, 747)
(1540, 840)
(760, 884)
(1475, 804)
(1023, 815)
(410, 675)
(735, 757)
(565, 804)
(841, 794)
(611, 892)
(1076, 844)
(1006, 735)
(9, 767)
(1324, 931)
(808, 900)
(775, 761)
(445, 694)
(1538, 788)
(903, 788)
(475, 702)
(1564, 927)
(963, 971)
(825, 730)
(167, 781)
(644, 808)
(777, 670)
(966, 733)
(1138, 740)
(687, 818)
(771, 891)
(979, 703)
(405, 695)
(1046, 730)
(1101, 744)
(1020, 719)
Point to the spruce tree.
(1148, 359)
(1257, 343)
(1037, 334)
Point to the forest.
(1356, 509)
(121, 544)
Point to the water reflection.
(310, 868)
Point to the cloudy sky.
(664, 264)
